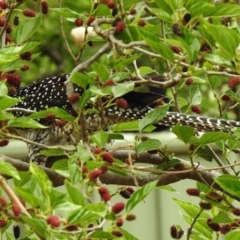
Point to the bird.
(51, 92)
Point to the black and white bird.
(51, 92)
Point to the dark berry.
(176, 29)
(205, 205)
(74, 98)
(174, 232)
(3, 5)
(119, 221)
(4, 142)
(111, 4)
(117, 233)
(189, 81)
(2, 21)
(60, 123)
(3, 223)
(44, 7)
(130, 217)
(193, 192)
(26, 55)
(236, 211)
(90, 20)
(225, 98)
(78, 22)
(176, 49)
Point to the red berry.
(26, 56)
(51, 116)
(117, 233)
(196, 109)
(108, 157)
(84, 169)
(105, 195)
(4, 142)
(120, 26)
(3, 223)
(44, 7)
(130, 217)
(121, 103)
(118, 207)
(233, 82)
(74, 98)
(189, 81)
(72, 227)
(97, 150)
(3, 202)
(79, 22)
(90, 20)
(16, 209)
(176, 49)
(94, 174)
(53, 221)
(8, 39)
(2, 21)
(119, 221)
(193, 192)
(29, 13)
(13, 79)
(3, 5)
(60, 123)
(214, 196)
(142, 22)
(109, 82)
(104, 168)
(111, 4)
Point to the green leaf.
(75, 194)
(3, 89)
(100, 138)
(130, 127)
(148, 145)
(28, 196)
(100, 70)
(214, 81)
(229, 183)
(58, 112)
(41, 178)
(123, 62)
(156, 44)
(100, 234)
(81, 79)
(25, 122)
(39, 226)
(25, 30)
(227, 38)
(152, 117)
(52, 152)
(195, 95)
(84, 99)
(8, 169)
(122, 88)
(211, 137)
(222, 217)
(7, 101)
(224, 10)
(127, 235)
(233, 235)
(184, 133)
(139, 195)
(66, 12)
(167, 188)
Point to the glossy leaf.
(101, 71)
(25, 122)
(100, 138)
(25, 30)
(148, 145)
(184, 133)
(8, 169)
(211, 137)
(152, 117)
(139, 195)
